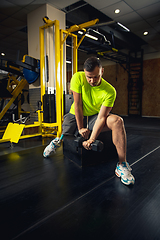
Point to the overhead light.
(95, 35)
(67, 61)
(123, 27)
(117, 11)
(3, 54)
(145, 33)
(90, 36)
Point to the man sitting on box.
(90, 113)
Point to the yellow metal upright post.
(42, 67)
(75, 50)
(61, 67)
(62, 60)
(58, 79)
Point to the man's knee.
(115, 121)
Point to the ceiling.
(138, 16)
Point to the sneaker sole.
(48, 154)
(45, 156)
(127, 183)
(117, 174)
(124, 182)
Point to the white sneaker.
(124, 172)
(52, 147)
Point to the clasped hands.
(85, 134)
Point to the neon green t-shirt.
(92, 97)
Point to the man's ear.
(102, 71)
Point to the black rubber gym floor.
(54, 199)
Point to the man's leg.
(116, 124)
(123, 170)
(69, 127)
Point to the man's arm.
(79, 114)
(101, 121)
(98, 126)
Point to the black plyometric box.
(83, 157)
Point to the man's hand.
(87, 144)
(84, 132)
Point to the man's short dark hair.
(91, 63)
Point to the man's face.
(94, 77)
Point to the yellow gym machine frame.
(59, 59)
(46, 129)
(19, 85)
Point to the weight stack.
(49, 108)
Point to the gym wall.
(118, 77)
(151, 88)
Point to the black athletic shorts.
(69, 125)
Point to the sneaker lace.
(127, 170)
(57, 142)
